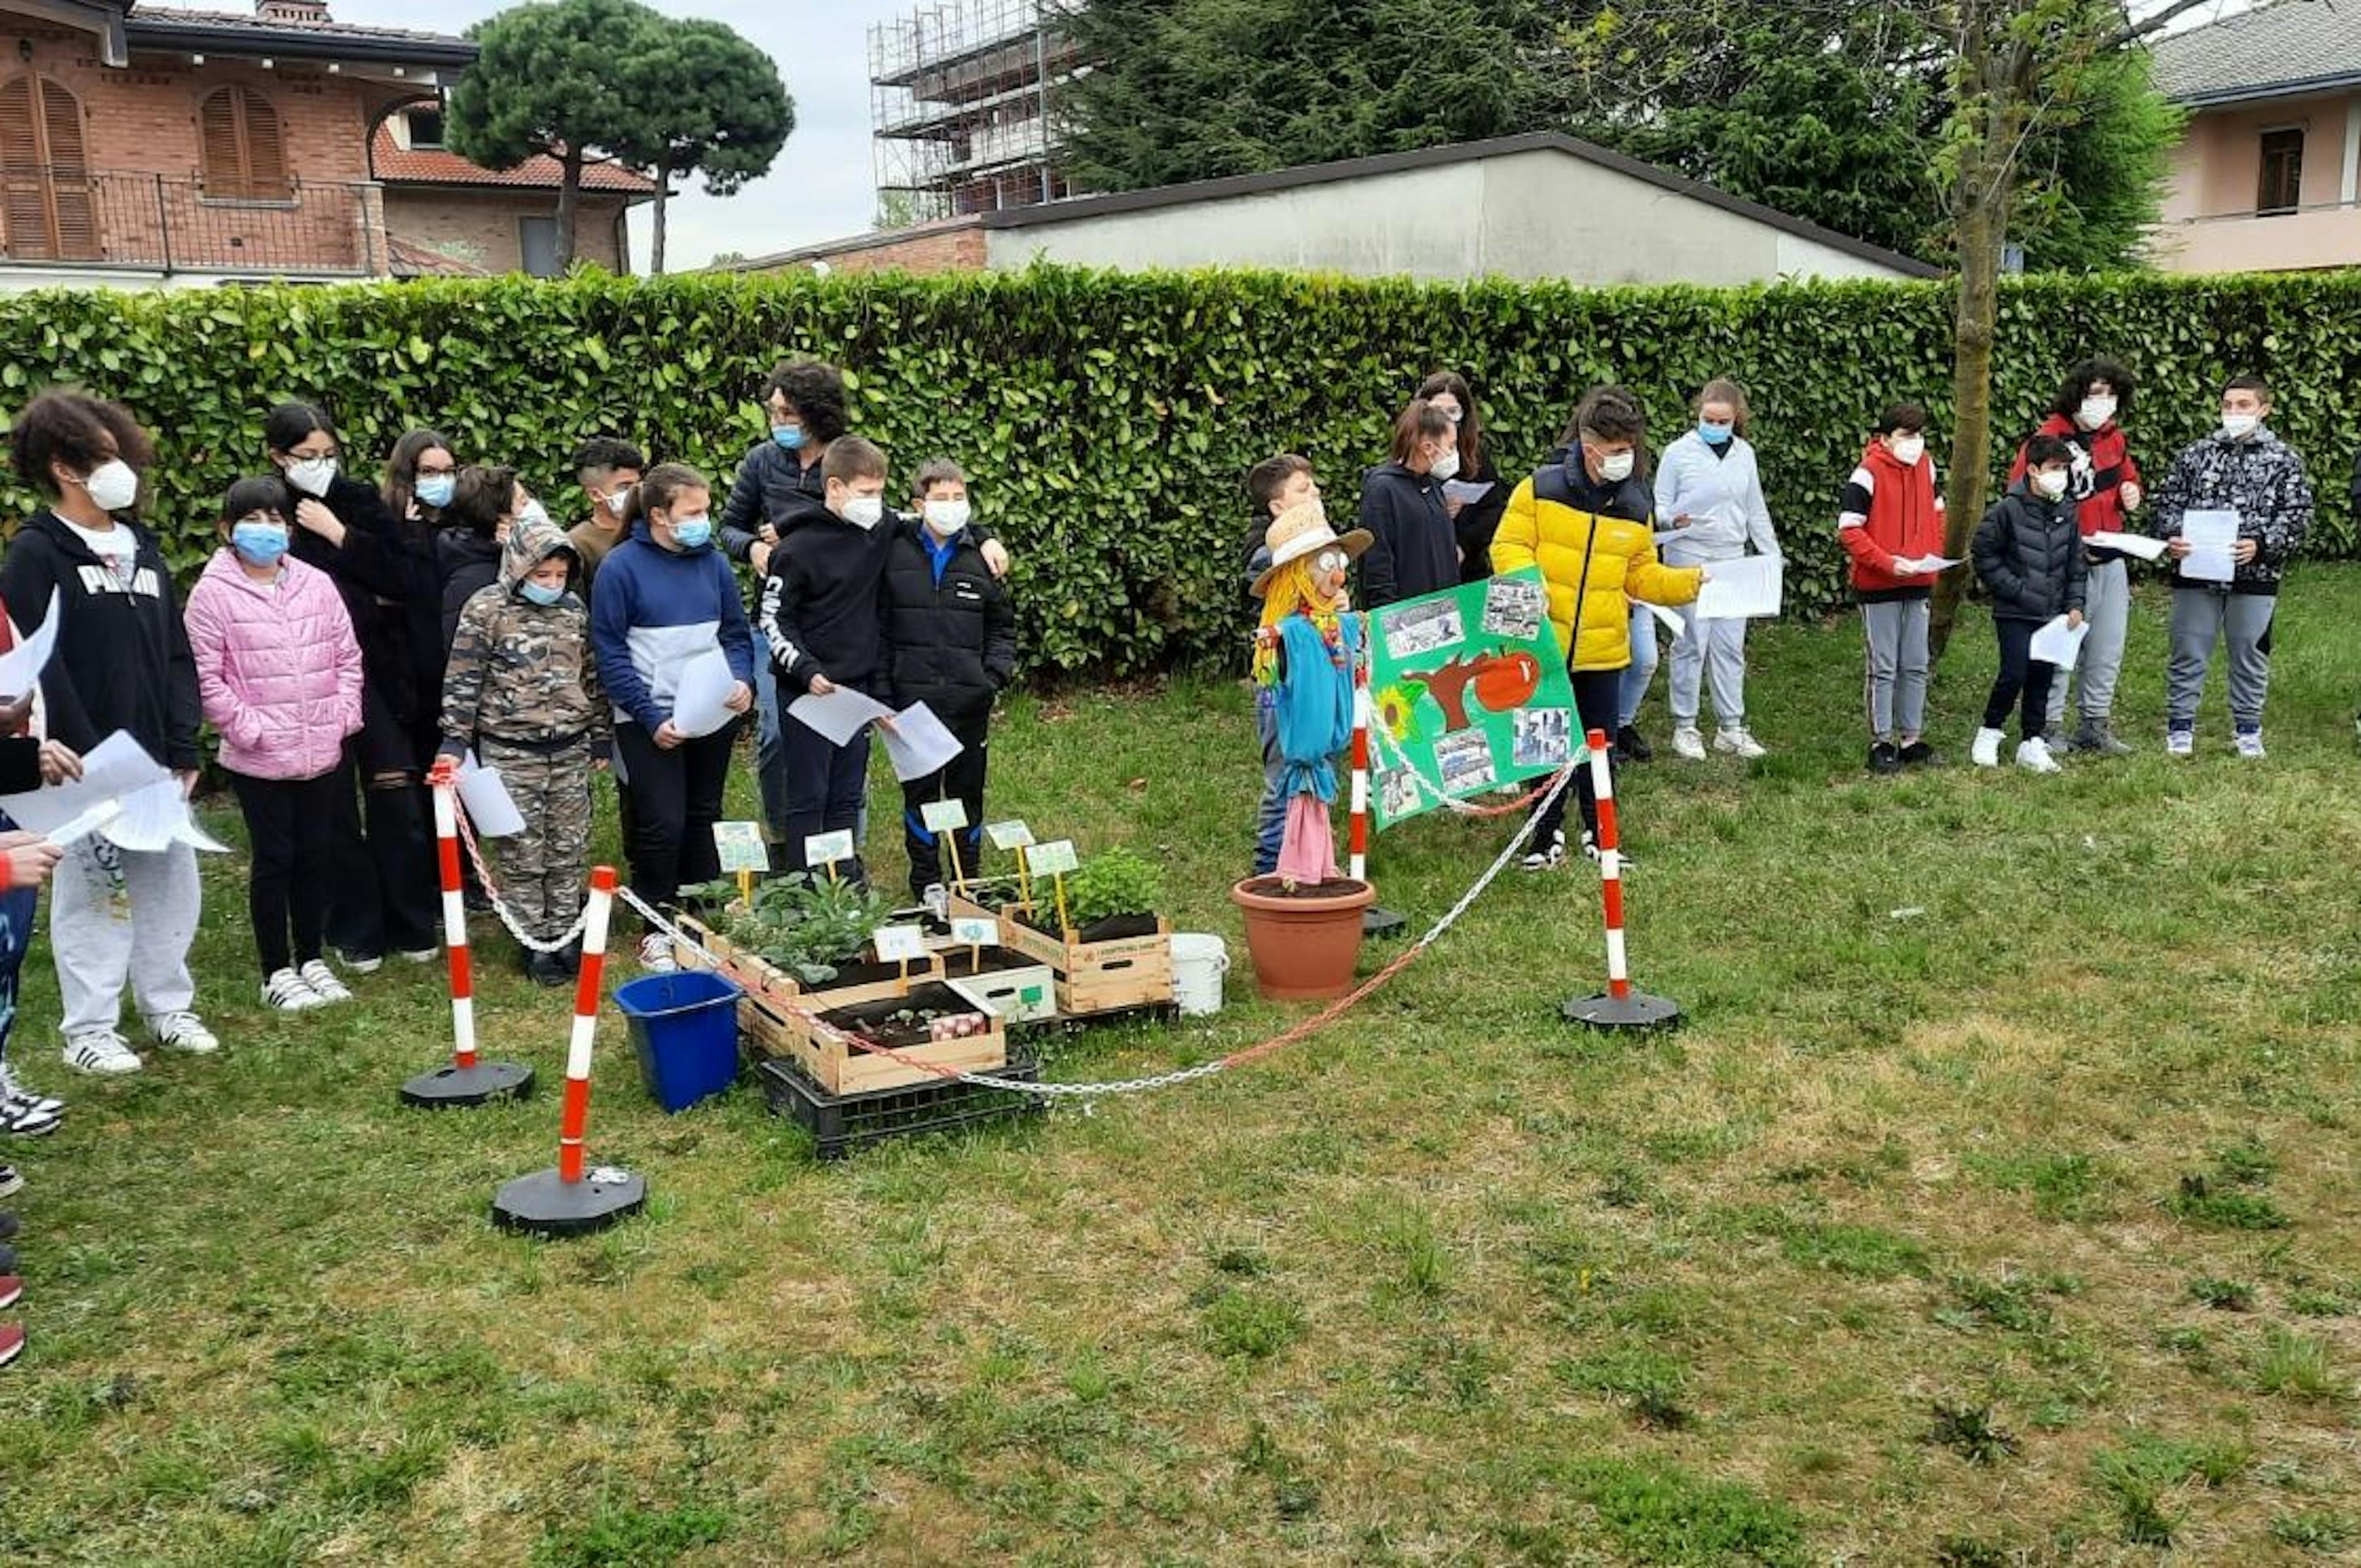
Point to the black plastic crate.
(839, 1123)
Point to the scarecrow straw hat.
(1301, 530)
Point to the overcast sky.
(822, 186)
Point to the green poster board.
(1467, 692)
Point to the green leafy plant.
(806, 926)
(1114, 881)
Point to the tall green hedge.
(1108, 419)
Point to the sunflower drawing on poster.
(1467, 692)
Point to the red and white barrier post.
(565, 1200)
(1375, 921)
(1619, 1006)
(466, 1082)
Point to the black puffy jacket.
(2029, 554)
(952, 644)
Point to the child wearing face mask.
(821, 614)
(485, 504)
(951, 642)
(122, 664)
(1890, 520)
(523, 692)
(2029, 554)
(1414, 550)
(279, 671)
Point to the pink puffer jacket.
(277, 666)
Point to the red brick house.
(146, 148)
(495, 220)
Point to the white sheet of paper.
(155, 818)
(841, 714)
(699, 696)
(72, 833)
(1742, 589)
(918, 744)
(1466, 491)
(1671, 619)
(2136, 544)
(2055, 644)
(22, 665)
(490, 810)
(110, 769)
(1918, 565)
(2212, 536)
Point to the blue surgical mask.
(541, 593)
(692, 532)
(438, 491)
(260, 542)
(790, 437)
(1715, 434)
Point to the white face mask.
(2050, 482)
(1909, 449)
(313, 475)
(113, 485)
(946, 518)
(1445, 467)
(1616, 467)
(2096, 411)
(2237, 427)
(864, 511)
(532, 511)
(618, 502)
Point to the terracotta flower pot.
(1304, 948)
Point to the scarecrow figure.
(1305, 652)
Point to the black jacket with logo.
(952, 644)
(819, 609)
(2028, 553)
(122, 660)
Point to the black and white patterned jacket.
(2261, 480)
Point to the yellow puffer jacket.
(1548, 525)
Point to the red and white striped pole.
(565, 1200)
(1620, 1008)
(1375, 921)
(466, 1082)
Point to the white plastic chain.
(1085, 1091)
(524, 938)
(1401, 758)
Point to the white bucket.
(1198, 963)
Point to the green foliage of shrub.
(1108, 420)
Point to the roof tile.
(2288, 44)
(396, 165)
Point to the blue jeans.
(769, 756)
(1270, 820)
(1643, 668)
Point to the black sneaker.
(1632, 747)
(7, 1226)
(550, 970)
(1918, 754)
(7, 1258)
(1884, 758)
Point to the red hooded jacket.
(2102, 466)
(1890, 510)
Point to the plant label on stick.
(827, 848)
(1010, 835)
(1055, 858)
(899, 945)
(975, 932)
(741, 847)
(943, 815)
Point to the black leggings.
(675, 800)
(1597, 699)
(2020, 675)
(291, 823)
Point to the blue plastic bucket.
(684, 1028)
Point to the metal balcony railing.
(62, 216)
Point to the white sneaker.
(1985, 753)
(286, 992)
(2034, 756)
(2250, 744)
(422, 955)
(14, 1092)
(2180, 742)
(324, 983)
(182, 1032)
(101, 1051)
(361, 964)
(1547, 859)
(1688, 745)
(1737, 742)
(655, 954)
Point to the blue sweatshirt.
(652, 610)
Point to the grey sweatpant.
(1896, 634)
(2200, 619)
(2107, 607)
(1711, 651)
(123, 917)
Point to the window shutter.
(244, 151)
(71, 185)
(23, 211)
(45, 199)
(218, 144)
(266, 151)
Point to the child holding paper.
(664, 596)
(1890, 522)
(2029, 554)
(279, 671)
(951, 642)
(522, 691)
(1709, 496)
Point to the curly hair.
(77, 429)
(2077, 386)
(816, 392)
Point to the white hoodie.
(1722, 496)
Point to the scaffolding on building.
(960, 103)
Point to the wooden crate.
(1100, 977)
(1026, 995)
(841, 1068)
(765, 981)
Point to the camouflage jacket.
(520, 672)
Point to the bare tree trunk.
(1984, 228)
(569, 200)
(657, 244)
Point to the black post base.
(1636, 1011)
(446, 1087)
(1379, 921)
(542, 1205)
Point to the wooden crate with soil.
(932, 1022)
(1117, 954)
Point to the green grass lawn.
(1998, 1206)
